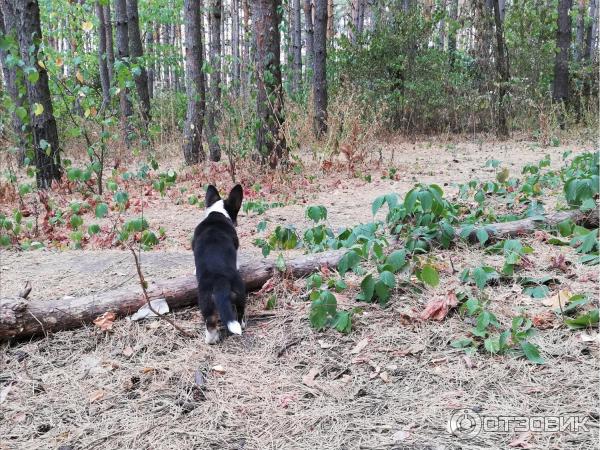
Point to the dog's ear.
(234, 202)
(212, 196)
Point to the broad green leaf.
(101, 210)
(38, 109)
(531, 352)
(584, 321)
(388, 279)
(429, 275)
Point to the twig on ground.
(143, 284)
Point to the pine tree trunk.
(123, 57)
(452, 33)
(270, 141)
(43, 124)
(309, 37)
(192, 132)
(320, 71)
(152, 63)
(235, 45)
(560, 93)
(503, 73)
(329, 19)
(297, 47)
(214, 103)
(136, 51)
(102, 57)
(13, 77)
(245, 72)
(110, 46)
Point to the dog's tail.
(222, 294)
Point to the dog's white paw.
(211, 337)
(235, 327)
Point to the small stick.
(143, 284)
(26, 290)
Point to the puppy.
(215, 246)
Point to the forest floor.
(393, 382)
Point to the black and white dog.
(215, 246)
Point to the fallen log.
(520, 227)
(22, 318)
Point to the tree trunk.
(235, 45)
(102, 57)
(21, 318)
(270, 140)
(309, 37)
(123, 58)
(13, 77)
(152, 64)
(560, 92)
(329, 18)
(320, 71)
(245, 72)
(503, 73)
(136, 51)
(41, 115)
(214, 103)
(110, 46)
(297, 47)
(192, 132)
(452, 32)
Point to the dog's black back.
(215, 246)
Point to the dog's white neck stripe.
(218, 207)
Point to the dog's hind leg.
(238, 297)
(209, 312)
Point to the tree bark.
(560, 92)
(123, 58)
(192, 132)
(309, 37)
(110, 46)
(503, 73)
(270, 140)
(152, 63)
(329, 18)
(320, 69)
(297, 48)
(13, 77)
(452, 32)
(136, 51)
(43, 124)
(245, 72)
(214, 103)
(20, 318)
(235, 45)
(102, 57)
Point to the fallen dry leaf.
(400, 436)
(4, 393)
(148, 369)
(309, 378)
(96, 396)
(105, 321)
(385, 377)
(127, 351)
(590, 338)
(359, 347)
(544, 320)
(558, 300)
(559, 262)
(522, 441)
(346, 378)
(438, 309)
(267, 287)
(218, 369)
(469, 362)
(412, 350)
(324, 344)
